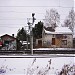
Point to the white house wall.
(48, 37)
(69, 41)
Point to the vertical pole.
(33, 19)
(27, 42)
(31, 33)
(31, 42)
(31, 38)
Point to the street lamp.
(33, 17)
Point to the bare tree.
(37, 70)
(68, 70)
(70, 20)
(52, 18)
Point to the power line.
(23, 12)
(14, 12)
(39, 6)
(12, 19)
(13, 26)
(19, 12)
(9, 27)
(25, 19)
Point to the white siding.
(47, 40)
(69, 41)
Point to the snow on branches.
(52, 18)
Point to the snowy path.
(36, 55)
(19, 66)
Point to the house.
(60, 37)
(9, 42)
(74, 41)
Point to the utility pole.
(27, 40)
(31, 32)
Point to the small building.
(9, 41)
(74, 41)
(60, 37)
(25, 45)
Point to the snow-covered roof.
(60, 30)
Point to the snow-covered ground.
(28, 66)
(54, 49)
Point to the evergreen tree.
(21, 35)
(37, 30)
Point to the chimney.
(12, 35)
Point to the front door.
(53, 41)
(40, 43)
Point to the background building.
(9, 42)
(61, 37)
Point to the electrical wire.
(24, 12)
(38, 6)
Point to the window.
(39, 41)
(53, 35)
(44, 42)
(64, 42)
(59, 36)
(48, 43)
(6, 42)
(64, 36)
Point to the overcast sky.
(14, 13)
